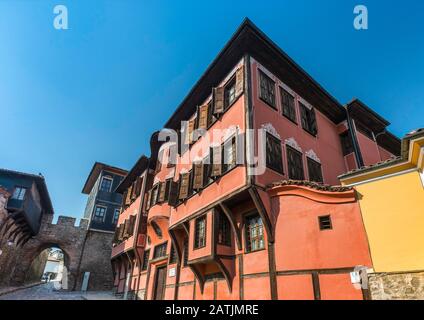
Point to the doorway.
(160, 283)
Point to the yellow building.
(391, 196)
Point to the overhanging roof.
(248, 39)
(95, 172)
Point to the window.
(99, 214)
(167, 189)
(160, 251)
(254, 233)
(19, 193)
(115, 216)
(200, 232)
(106, 184)
(308, 118)
(185, 252)
(156, 228)
(230, 93)
(347, 144)
(229, 155)
(267, 89)
(287, 103)
(295, 164)
(315, 172)
(146, 255)
(207, 170)
(173, 255)
(154, 196)
(274, 153)
(224, 231)
(325, 223)
(211, 117)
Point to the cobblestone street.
(48, 292)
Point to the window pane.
(106, 184)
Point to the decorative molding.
(312, 155)
(268, 127)
(293, 143)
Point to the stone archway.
(64, 235)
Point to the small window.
(288, 106)
(315, 171)
(224, 230)
(99, 214)
(295, 164)
(167, 189)
(267, 89)
(160, 250)
(200, 232)
(308, 118)
(106, 184)
(156, 228)
(229, 155)
(325, 223)
(19, 193)
(185, 262)
(347, 144)
(211, 117)
(115, 216)
(154, 196)
(274, 153)
(173, 255)
(254, 233)
(146, 255)
(230, 93)
(207, 170)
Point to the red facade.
(199, 229)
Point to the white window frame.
(21, 195)
(94, 213)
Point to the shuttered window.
(230, 93)
(325, 223)
(267, 89)
(254, 233)
(203, 117)
(274, 153)
(211, 116)
(198, 175)
(200, 232)
(207, 171)
(154, 195)
(218, 100)
(239, 81)
(121, 232)
(173, 255)
(315, 171)
(173, 193)
(184, 185)
(224, 231)
(229, 154)
(288, 106)
(347, 144)
(157, 229)
(131, 225)
(148, 196)
(308, 118)
(295, 164)
(146, 255)
(216, 161)
(128, 196)
(160, 250)
(162, 192)
(185, 260)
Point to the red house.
(245, 204)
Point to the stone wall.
(400, 286)
(96, 260)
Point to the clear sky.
(96, 91)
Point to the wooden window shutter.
(125, 229)
(162, 188)
(234, 151)
(128, 198)
(131, 225)
(203, 116)
(239, 81)
(198, 176)
(148, 196)
(218, 100)
(313, 122)
(138, 186)
(124, 199)
(116, 235)
(184, 184)
(121, 232)
(303, 116)
(134, 190)
(173, 193)
(216, 161)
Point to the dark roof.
(41, 186)
(95, 172)
(310, 184)
(389, 162)
(248, 39)
(140, 166)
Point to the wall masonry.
(401, 286)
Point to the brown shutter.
(121, 232)
(173, 193)
(203, 117)
(303, 116)
(234, 151)
(128, 198)
(134, 190)
(116, 235)
(189, 131)
(138, 186)
(124, 199)
(125, 229)
(216, 162)
(239, 81)
(131, 225)
(198, 176)
(162, 188)
(148, 196)
(184, 184)
(313, 122)
(218, 100)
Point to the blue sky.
(97, 91)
